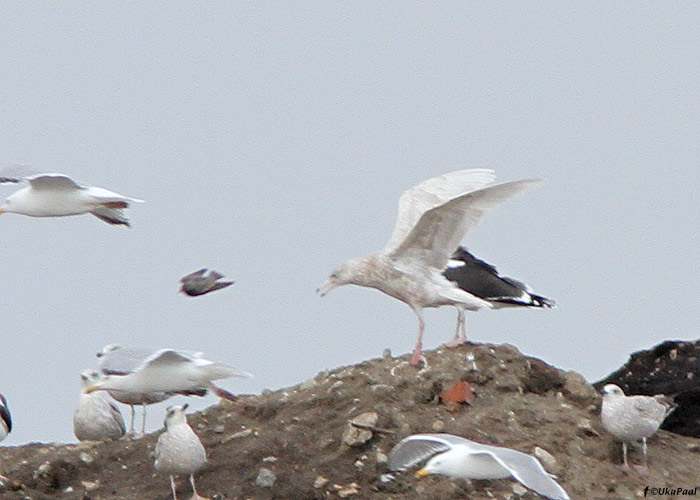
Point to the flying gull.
(631, 418)
(179, 450)
(118, 360)
(433, 218)
(170, 371)
(95, 417)
(458, 457)
(57, 195)
(482, 280)
(199, 283)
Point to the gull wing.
(123, 360)
(53, 181)
(439, 230)
(419, 447)
(527, 470)
(431, 193)
(648, 407)
(167, 357)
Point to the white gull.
(179, 450)
(57, 195)
(433, 218)
(631, 418)
(170, 371)
(457, 457)
(95, 417)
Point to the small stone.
(550, 463)
(270, 459)
(359, 464)
(90, 485)
(693, 447)
(219, 429)
(320, 482)
(351, 489)
(519, 489)
(577, 388)
(586, 428)
(86, 458)
(239, 435)
(438, 426)
(386, 354)
(386, 478)
(355, 436)
(308, 384)
(381, 457)
(266, 478)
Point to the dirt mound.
(297, 436)
(671, 368)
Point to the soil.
(297, 434)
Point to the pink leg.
(418, 350)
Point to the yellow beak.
(422, 473)
(91, 389)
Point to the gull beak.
(326, 287)
(422, 473)
(91, 389)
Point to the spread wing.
(53, 182)
(440, 230)
(167, 358)
(419, 447)
(527, 470)
(431, 193)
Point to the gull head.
(346, 273)
(175, 415)
(88, 379)
(440, 464)
(612, 390)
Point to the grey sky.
(271, 141)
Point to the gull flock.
(422, 265)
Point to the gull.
(482, 280)
(57, 195)
(179, 450)
(433, 218)
(118, 360)
(5, 428)
(5, 418)
(631, 418)
(170, 371)
(457, 457)
(95, 417)
(199, 283)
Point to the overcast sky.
(272, 140)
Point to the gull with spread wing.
(433, 218)
(57, 195)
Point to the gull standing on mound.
(482, 280)
(96, 418)
(170, 371)
(631, 418)
(179, 450)
(199, 283)
(433, 218)
(458, 457)
(57, 195)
